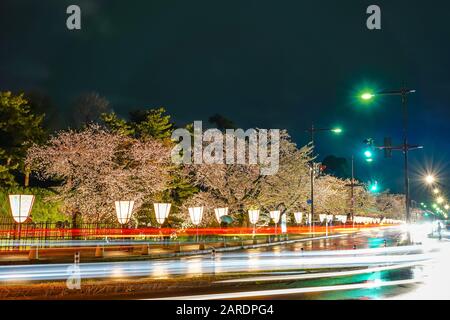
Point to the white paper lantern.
(322, 217)
(124, 209)
(21, 206)
(161, 211)
(196, 214)
(220, 212)
(342, 218)
(298, 217)
(253, 216)
(275, 216)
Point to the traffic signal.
(368, 155)
(368, 152)
(373, 187)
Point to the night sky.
(267, 64)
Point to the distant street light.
(161, 211)
(436, 191)
(220, 212)
(124, 209)
(430, 179)
(440, 200)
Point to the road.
(368, 265)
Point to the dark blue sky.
(273, 64)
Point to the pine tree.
(116, 124)
(154, 123)
(19, 129)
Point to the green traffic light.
(368, 154)
(373, 187)
(337, 130)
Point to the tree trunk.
(27, 175)
(74, 223)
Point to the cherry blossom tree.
(97, 167)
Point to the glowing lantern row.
(298, 217)
(21, 206)
(275, 216)
(253, 216)
(341, 218)
(367, 220)
(196, 214)
(124, 209)
(220, 212)
(161, 211)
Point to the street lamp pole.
(403, 93)
(312, 130)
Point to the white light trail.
(321, 274)
(265, 293)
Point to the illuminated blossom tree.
(97, 167)
(288, 189)
(242, 186)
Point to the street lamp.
(440, 200)
(367, 96)
(124, 210)
(430, 179)
(161, 211)
(196, 214)
(220, 212)
(298, 217)
(275, 216)
(253, 216)
(312, 132)
(436, 191)
(21, 206)
(403, 93)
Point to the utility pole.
(403, 93)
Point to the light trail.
(278, 292)
(320, 275)
(200, 266)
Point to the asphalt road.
(370, 265)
